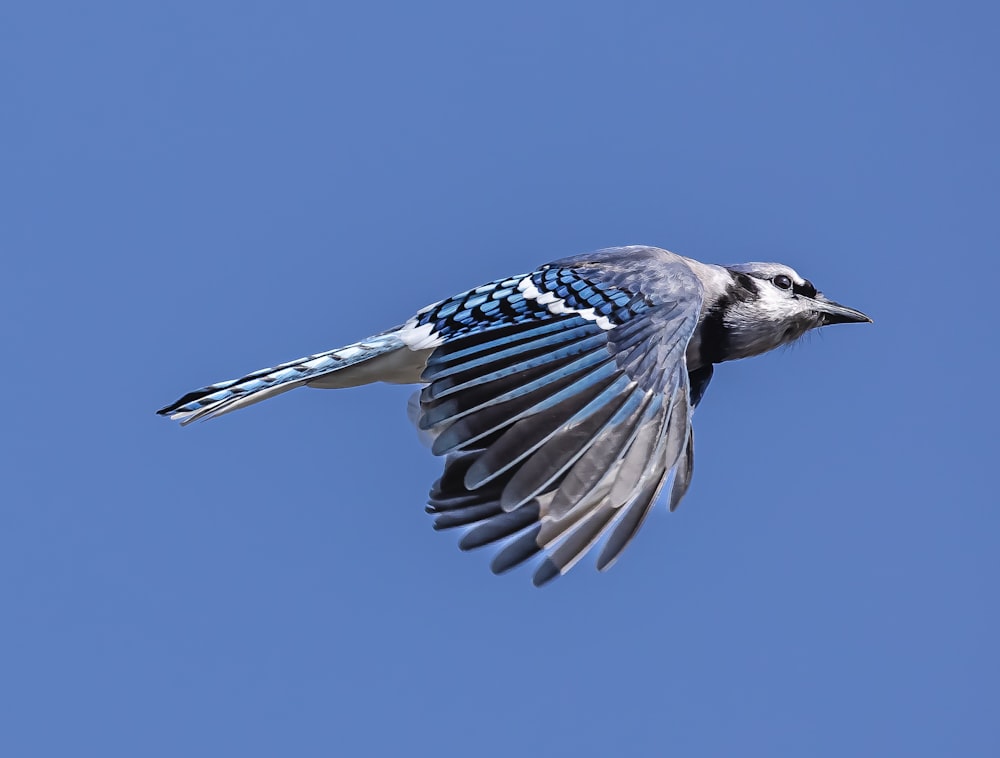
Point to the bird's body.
(562, 398)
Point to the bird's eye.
(782, 282)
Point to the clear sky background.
(189, 191)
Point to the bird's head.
(770, 304)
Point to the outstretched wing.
(561, 425)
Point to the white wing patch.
(557, 306)
(421, 337)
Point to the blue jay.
(561, 399)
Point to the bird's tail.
(384, 357)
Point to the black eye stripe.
(806, 288)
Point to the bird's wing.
(560, 426)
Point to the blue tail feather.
(315, 370)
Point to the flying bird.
(561, 399)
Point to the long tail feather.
(384, 357)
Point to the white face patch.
(421, 337)
(775, 318)
(557, 306)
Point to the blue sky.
(194, 190)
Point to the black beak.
(835, 313)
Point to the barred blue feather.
(501, 303)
